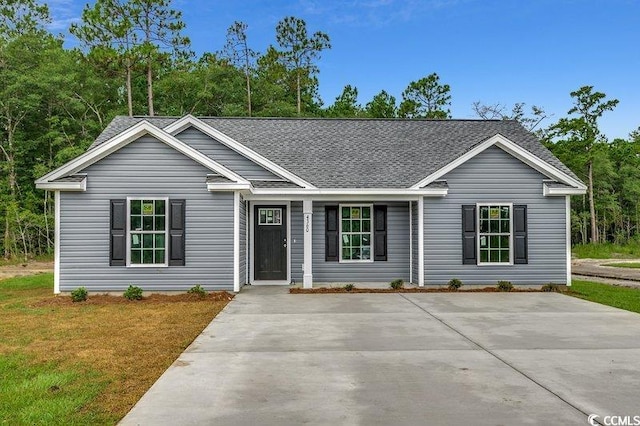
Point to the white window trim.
(166, 234)
(372, 246)
(270, 224)
(496, 204)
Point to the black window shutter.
(520, 250)
(469, 235)
(118, 233)
(176, 232)
(331, 231)
(380, 232)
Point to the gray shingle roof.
(438, 184)
(72, 178)
(273, 184)
(359, 153)
(217, 179)
(551, 184)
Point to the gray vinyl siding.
(495, 176)
(145, 168)
(243, 241)
(396, 265)
(297, 241)
(224, 155)
(414, 241)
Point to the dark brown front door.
(270, 241)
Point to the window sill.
(356, 261)
(495, 264)
(149, 265)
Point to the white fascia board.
(232, 186)
(273, 194)
(64, 186)
(511, 148)
(553, 192)
(131, 134)
(426, 192)
(189, 120)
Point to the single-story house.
(166, 203)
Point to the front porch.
(332, 241)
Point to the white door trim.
(252, 205)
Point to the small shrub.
(349, 287)
(396, 284)
(79, 294)
(551, 287)
(455, 284)
(197, 290)
(133, 293)
(505, 286)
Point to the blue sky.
(494, 51)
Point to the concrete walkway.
(271, 358)
(596, 270)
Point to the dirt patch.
(329, 290)
(106, 299)
(22, 269)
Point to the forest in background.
(134, 59)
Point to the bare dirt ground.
(21, 269)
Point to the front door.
(270, 250)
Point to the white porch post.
(236, 241)
(56, 243)
(568, 236)
(307, 209)
(420, 219)
(411, 242)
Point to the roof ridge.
(396, 119)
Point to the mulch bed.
(106, 299)
(330, 290)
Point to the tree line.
(134, 58)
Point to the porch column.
(307, 210)
(567, 219)
(420, 219)
(236, 241)
(56, 243)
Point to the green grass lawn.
(606, 251)
(33, 391)
(45, 394)
(618, 297)
(64, 363)
(634, 265)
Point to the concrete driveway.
(271, 358)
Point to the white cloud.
(63, 14)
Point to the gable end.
(191, 121)
(514, 150)
(123, 139)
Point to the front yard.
(88, 362)
(619, 297)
